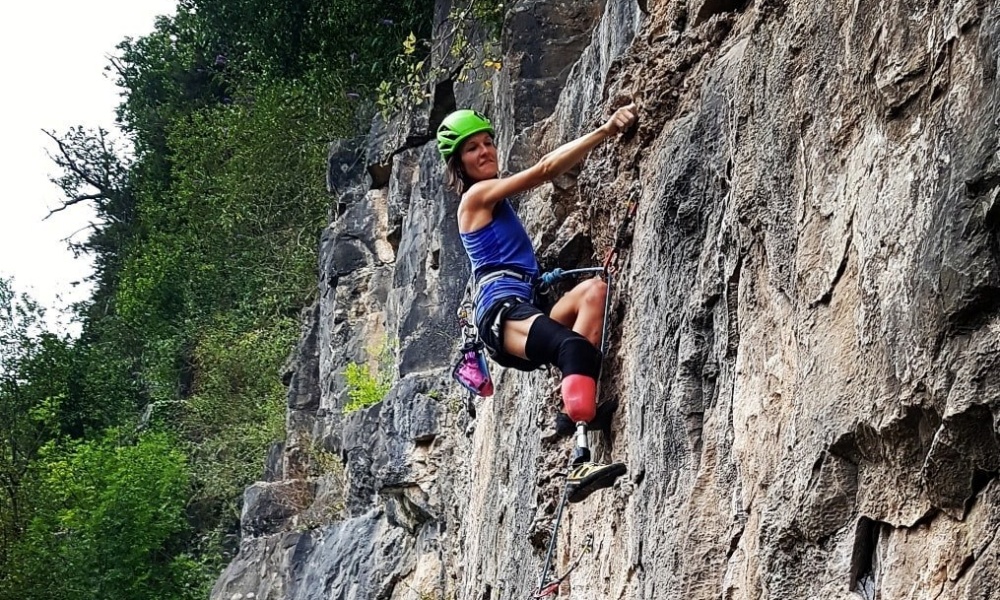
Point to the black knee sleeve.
(550, 342)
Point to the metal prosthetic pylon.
(581, 453)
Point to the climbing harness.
(471, 369)
(494, 275)
(465, 370)
(551, 588)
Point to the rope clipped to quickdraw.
(551, 587)
(623, 230)
(550, 278)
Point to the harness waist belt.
(494, 275)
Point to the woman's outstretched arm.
(488, 192)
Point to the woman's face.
(479, 157)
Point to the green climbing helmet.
(458, 127)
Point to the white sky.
(53, 55)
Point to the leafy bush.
(364, 388)
(368, 385)
(106, 515)
(236, 409)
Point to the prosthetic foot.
(586, 476)
(590, 477)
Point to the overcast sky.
(53, 56)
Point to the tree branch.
(75, 200)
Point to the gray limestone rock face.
(303, 382)
(270, 507)
(349, 560)
(430, 270)
(805, 319)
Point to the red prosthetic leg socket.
(579, 397)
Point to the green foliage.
(104, 382)
(105, 512)
(322, 462)
(249, 196)
(325, 464)
(364, 388)
(168, 73)
(211, 48)
(20, 316)
(353, 38)
(31, 392)
(469, 60)
(368, 384)
(236, 409)
(205, 251)
(94, 170)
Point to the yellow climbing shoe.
(589, 477)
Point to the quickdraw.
(549, 278)
(469, 333)
(623, 228)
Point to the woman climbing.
(518, 333)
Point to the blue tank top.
(501, 244)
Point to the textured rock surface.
(806, 321)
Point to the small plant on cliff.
(364, 388)
(469, 61)
(323, 462)
(368, 384)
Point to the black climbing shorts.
(490, 327)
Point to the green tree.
(93, 171)
(352, 40)
(107, 513)
(205, 250)
(25, 409)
